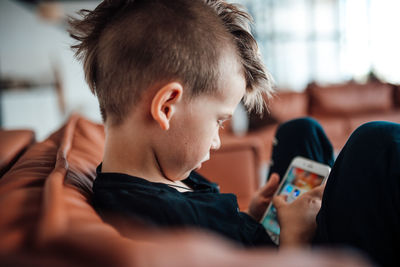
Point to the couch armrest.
(13, 144)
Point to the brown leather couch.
(47, 218)
(13, 144)
(340, 109)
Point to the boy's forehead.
(230, 62)
(230, 94)
(232, 82)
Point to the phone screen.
(298, 181)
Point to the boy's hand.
(263, 197)
(297, 219)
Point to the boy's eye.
(221, 123)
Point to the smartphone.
(301, 176)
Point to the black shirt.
(163, 206)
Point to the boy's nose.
(216, 144)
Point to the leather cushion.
(46, 195)
(350, 98)
(289, 105)
(13, 144)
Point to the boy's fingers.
(271, 186)
(318, 191)
(279, 201)
(274, 176)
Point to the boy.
(167, 75)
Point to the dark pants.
(361, 202)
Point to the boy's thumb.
(318, 191)
(271, 186)
(279, 201)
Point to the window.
(327, 41)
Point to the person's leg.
(361, 202)
(300, 137)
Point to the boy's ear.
(163, 103)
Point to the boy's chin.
(198, 167)
(186, 175)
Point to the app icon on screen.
(289, 188)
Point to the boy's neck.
(130, 155)
(129, 152)
(133, 159)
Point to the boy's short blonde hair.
(127, 46)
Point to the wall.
(29, 48)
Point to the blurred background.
(301, 41)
